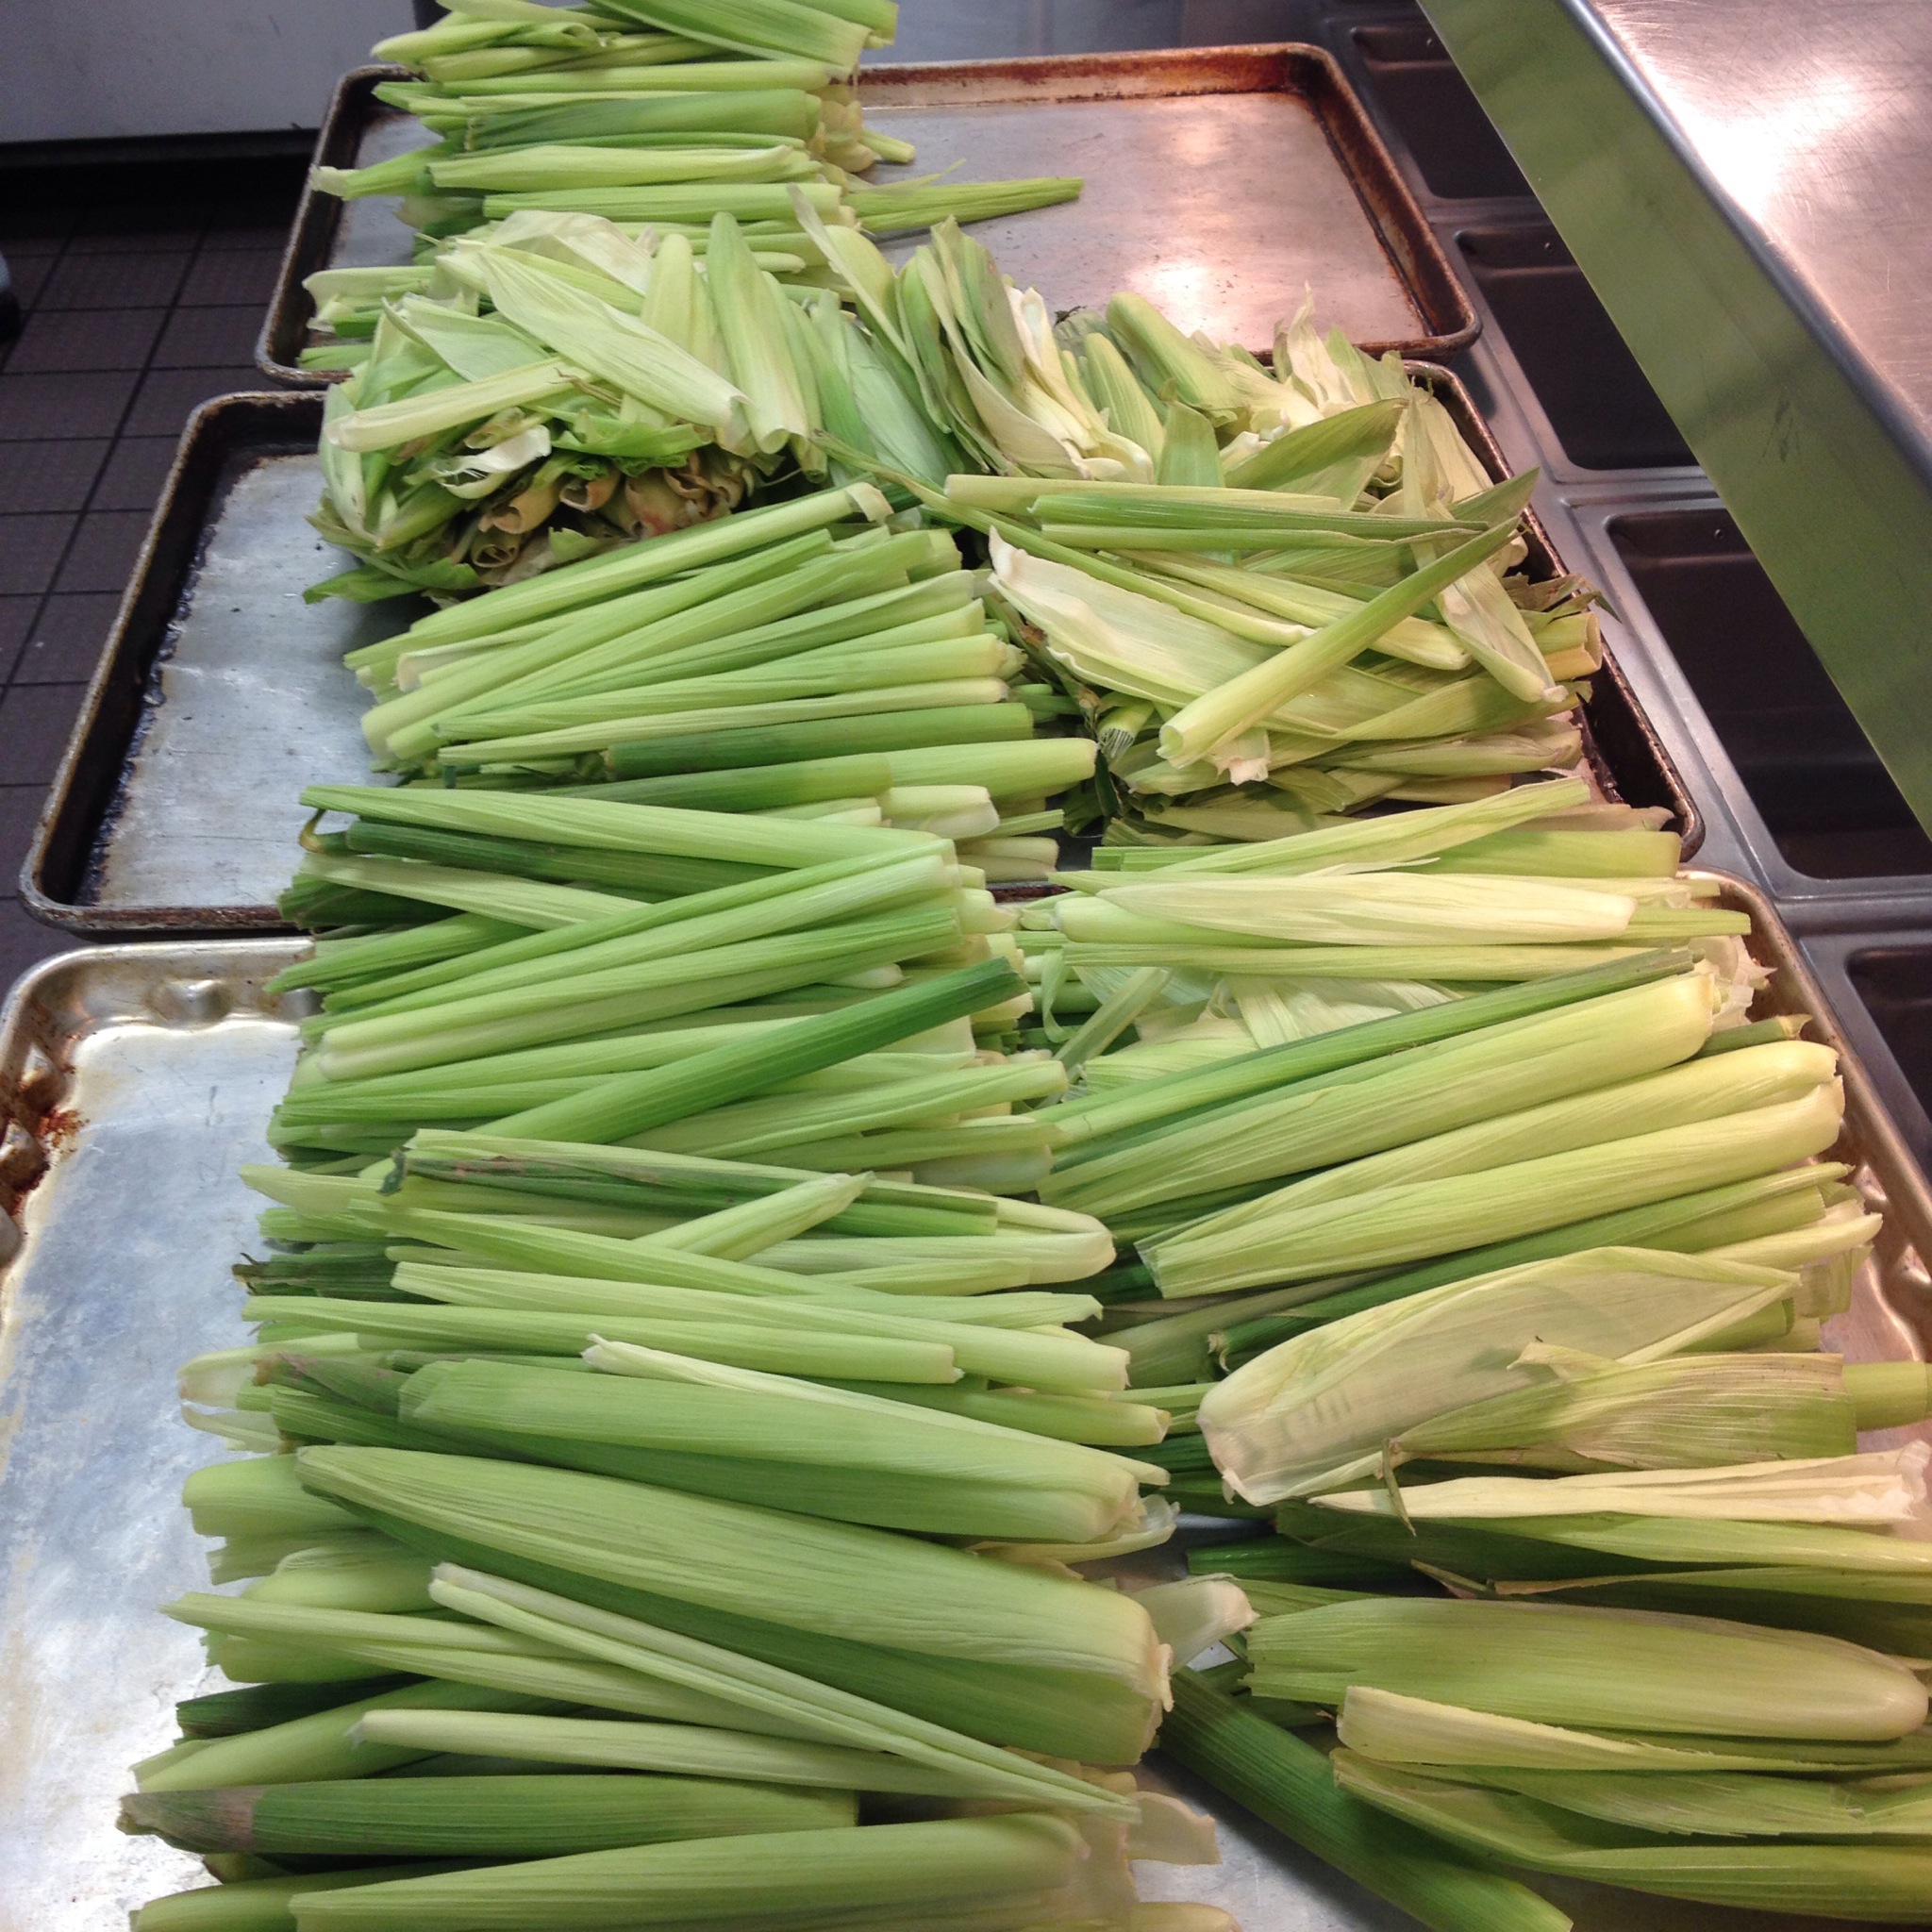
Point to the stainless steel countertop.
(1748, 186)
(1808, 127)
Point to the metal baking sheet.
(1220, 182)
(220, 694)
(134, 1080)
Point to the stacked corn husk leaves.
(652, 1440)
(1278, 593)
(595, 345)
(597, 109)
(1677, 1647)
(795, 660)
(1576, 1537)
(688, 1272)
(612, 391)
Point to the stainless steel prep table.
(1747, 189)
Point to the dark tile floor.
(143, 286)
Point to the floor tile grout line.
(114, 439)
(40, 603)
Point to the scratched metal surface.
(369, 235)
(134, 1080)
(1220, 182)
(249, 704)
(1185, 203)
(1811, 126)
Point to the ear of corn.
(1573, 1666)
(1286, 1782)
(906, 1867)
(1319, 1410)
(600, 1528)
(1878, 1884)
(528, 1815)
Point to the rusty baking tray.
(219, 695)
(134, 1080)
(1220, 181)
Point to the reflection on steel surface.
(1220, 181)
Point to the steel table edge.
(1815, 316)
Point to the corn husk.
(1318, 1411)
(1571, 1665)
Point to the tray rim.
(1475, 429)
(1873, 1133)
(1413, 250)
(139, 631)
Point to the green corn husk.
(728, 746)
(466, 1026)
(537, 1816)
(1551, 1548)
(903, 1867)
(230, 1713)
(1326, 457)
(648, 1540)
(1100, 1115)
(1197, 729)
(1286, 1782)
(648, 958)
(573, 1170)
(263, 1905)
(1102, 1422)
(322, 1744)
(563, 1313)
(769, 1345)
(260, 1496)
(1572, 1665)
(1413, 1221)
(1864, 1882)
(1365, 908)
(1681, 1224)
(379, 1579)
(613, 827)
(460, 1654)
(1881, 1612)
(1690, 1413)
(749, 1438)
(774, 1700)
(632, 1103)
(592, 1658)
(1319, 1409)
(636, 936)
(1395, 1729)
(1873, 1491)
(509, 901)
(1062, 1714)
(1400, 1099)
(1724, 1804)
(688, 1749)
